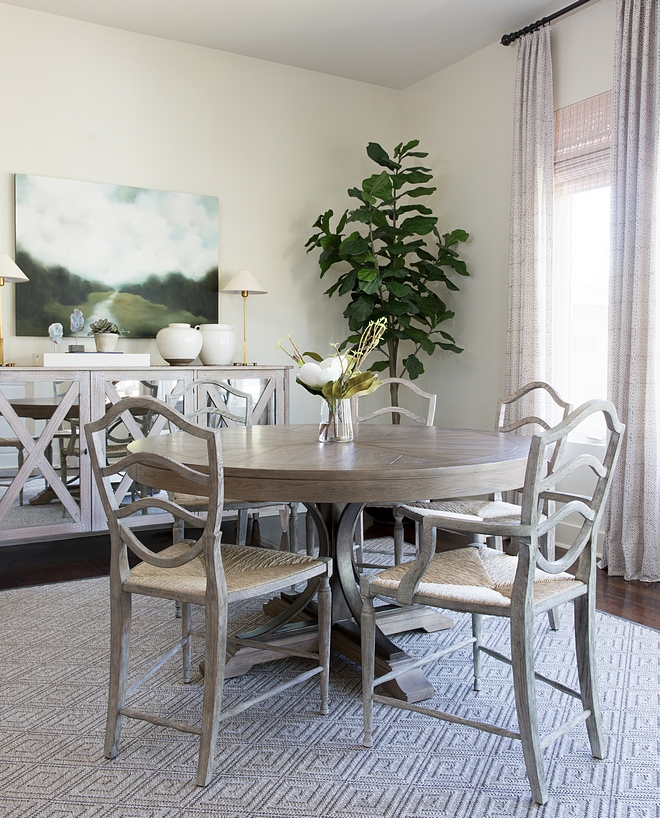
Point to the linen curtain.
(632, 543)
(529, 319)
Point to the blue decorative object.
(77, 322)
(56, 333)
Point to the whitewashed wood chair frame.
(534, 585)
(205, 405)
(494, 508)
(178, 573)
(427, 420)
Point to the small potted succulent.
(106, 333)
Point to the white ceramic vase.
(106, 341)
(218, 344)
(179, 344)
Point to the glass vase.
(336, 424)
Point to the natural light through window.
(582, 242)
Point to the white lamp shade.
(245, 281)
(10, 271)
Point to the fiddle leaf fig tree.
(396, 256)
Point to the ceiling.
(393, 43)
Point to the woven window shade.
(582, 145)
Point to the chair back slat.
(211, 397)
(122, 520)
(399, 410)
(509, 407)
(590, 508)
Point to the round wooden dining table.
(384, 463)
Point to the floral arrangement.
(339, 376)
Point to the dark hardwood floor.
(80, 558)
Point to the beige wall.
(279, 145)
(464, 117)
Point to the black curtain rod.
(507, 39)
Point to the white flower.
(313, 375)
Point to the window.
(582, 250)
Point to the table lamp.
(8, 272)
(244, 282)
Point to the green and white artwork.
(142, 258)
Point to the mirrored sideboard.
(46, 485)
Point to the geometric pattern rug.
(281, 759)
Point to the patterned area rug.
(282, 759)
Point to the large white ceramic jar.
(179, 344)
(218, 344)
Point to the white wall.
(277, 145)
(464, 117)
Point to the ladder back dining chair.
(210, 399)
(511, 417)
(428, 402)
(198, 572)
(484, 581)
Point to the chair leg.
(547, 547)
(398, 536)
(178, 531)
(325, 632)
(242, 526)
(293, 527)
(310, 534)
(120, 646)
(477, 656)
(522, 659)
(586, 664)
(214, 673)
(358, 538)
(186, 627)
(368, 628)
(20, 464)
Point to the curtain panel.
(632, 543)
(529, 319)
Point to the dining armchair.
(214, 403)
(494, 508)
(484, 581)
(201, 572)
(428, 402)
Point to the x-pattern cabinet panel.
(46, 486)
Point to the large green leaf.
(379, 366)
(398, 289)
(353, 245)
(418, 225)
(367, 274)
(360, 309)
(455, 236)
(416, 192)
(371, 287)
(414, 177)
(348, 283)
(413, 366)
(378, 186)
(381, 157)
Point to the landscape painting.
(142, 258)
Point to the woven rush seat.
(469, 509)
(482, 576)
(194, 503)
(246, 570)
